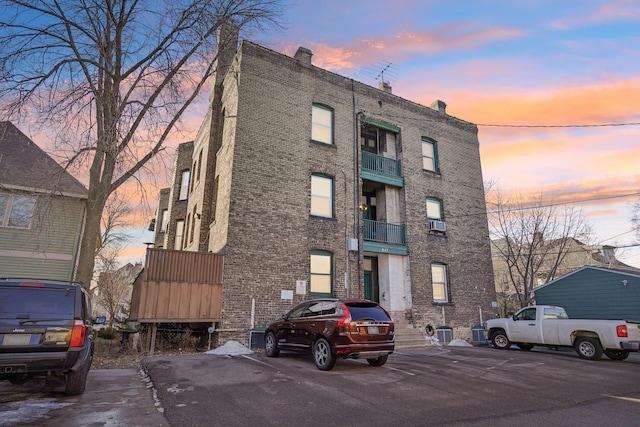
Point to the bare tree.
(113, 78)
(635, 218)
(116, 216)
(114, 285)
(531, 240)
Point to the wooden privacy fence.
(178, 287)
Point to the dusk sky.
(574, 64)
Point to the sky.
(532, 64)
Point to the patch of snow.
(29, 410)
(230, 348)
(459, 343)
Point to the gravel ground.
(109, 355)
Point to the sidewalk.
(113, 397)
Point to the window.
(429, 155)
(184, 185)
(434, 209)
(16, 211)
(165, 218)
(439, 282)
(193, 223)
(193, 168)
(321, 196)
(321, 282)
(177, 245)
(527, 314)
(214, 204)
(322, 124)
(199, 165)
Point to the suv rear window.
(361, 311)
(37, 303)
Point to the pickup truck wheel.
(500, 340)
(524, 346)
(617, 354)
(588, 348)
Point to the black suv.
(45, 331)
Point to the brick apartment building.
(172, 202)
(312, 184)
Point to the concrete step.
(407, 336)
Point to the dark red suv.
(333, 328)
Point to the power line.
(561, 126)
(570, 202)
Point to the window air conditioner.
(437, 225)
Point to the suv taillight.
(622, 332)
(77, 334)
(345, 320)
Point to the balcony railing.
(376, 231)
(375, 163)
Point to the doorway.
(371, 289)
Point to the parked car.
(546, 325)
(45, 331)
(99, 323)
(333, 328)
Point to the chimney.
(439, 106)
(227, 45)
(303, 55)
(385, 86)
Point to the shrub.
(107, 333)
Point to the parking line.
(630, 399)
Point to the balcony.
(382, 237)
(381, 169)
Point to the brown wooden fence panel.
(178, 286)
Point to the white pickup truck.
(546, 325)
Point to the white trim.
(36, 255)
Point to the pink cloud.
(403, 46)
(613, 10)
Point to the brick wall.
(262, 222)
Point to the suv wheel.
(378, 361)
(322, 356)
(271, 345)
(77, 380)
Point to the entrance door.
(368, 285)
(371, 279)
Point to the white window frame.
(184, 184)
(164, 218)
(319, 196)
(321, 272)
(434, 208)
(430, 158)
(440, 282)
(321, 128)
(11, 205)
(177, 244)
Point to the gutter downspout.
(357, 191)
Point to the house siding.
(594, 293)
(48, 248)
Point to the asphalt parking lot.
(455, 386)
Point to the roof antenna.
(380, 75)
